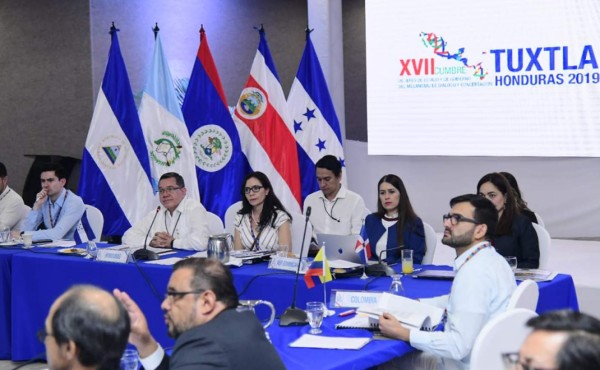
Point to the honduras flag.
(220, 164)
(115, 170)
(169, 144)
(314, 122)
(84, 232)
(262, 118)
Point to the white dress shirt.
(343, 215)
(480, 291)
(188, 225)
(12, 208)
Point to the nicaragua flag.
(167, 138)
(115, 171)
(363, 247)
(318, 271)
(84, 232)
(314, 122)
(261, 116)
(220, 163)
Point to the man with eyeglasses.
(86, 328)
(334, 209)
(200, 312)
(179, 222)
(560, 340)
(482, 287)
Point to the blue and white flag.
(220, 164)
(115, 170)
(314, 122)
(84, 232)
(169, 144)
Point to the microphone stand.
(146, 254)
(382, 268)
(293, 315)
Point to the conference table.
(40, 275)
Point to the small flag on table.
(318, 271)
(363, 247)
(84, 232)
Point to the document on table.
(319, 341)
(166, 261)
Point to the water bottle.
(92, 249)
(396, 287)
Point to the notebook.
(435, 274)
(339, 247)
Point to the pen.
(347, 313)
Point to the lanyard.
(5, 194)
(53, 221)
(175, 227)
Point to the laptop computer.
(340, 247)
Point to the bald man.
(86, 328)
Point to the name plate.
(354, 298)
(288, 264)
(113, 255)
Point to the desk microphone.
(293, 315)
(382, 268)
(146, 254)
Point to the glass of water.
(129, 360)
(315, 312)
(512, 262)
(4, 234)
(396, 285)
(92, 249)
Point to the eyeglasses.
(456, 218)
(168, 190)
(174, 296)
(511, 362)
(42, 334)
(254, 189)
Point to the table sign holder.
(114, 254)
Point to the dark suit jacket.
(521, 243)
(232, 340)
(413, 233)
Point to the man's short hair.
(485, 212)
(100, 336)
(58, 169)
(331, 163)
(210, 274)
(174, 175)
(2, 170)
(581, 349)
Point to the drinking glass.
(4, 234)
(283, 250)
(407, 261)
(129, 360)
(91, 249)
(27, 239)
(512, 262)
(396, 287)
(315, 312)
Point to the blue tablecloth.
(39, 277)
(5, 299)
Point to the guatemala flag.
(169, 144)
(220, 163)
(115, 171)
(314, 122)
(262, 118)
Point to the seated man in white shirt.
(57, 208)
(12, 208)
(179, 222)
(334, 209)
(480, 291)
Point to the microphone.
(145, 254)
(293, 315)
(382, 268)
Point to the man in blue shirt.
(58, 208)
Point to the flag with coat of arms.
(318, 272)
(83, 231)
(115, 169)
(314, 121)
(363, 247)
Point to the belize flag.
(115, 170)
(314, 122)
(262, 119)
(220, 163)
(167, 139)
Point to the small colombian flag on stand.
(318, 271)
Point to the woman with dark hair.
(395, 224)
(514, 234)
(522, 204)
(262, 223)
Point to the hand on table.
(140, 335)
(161, 240)
(391, 327)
